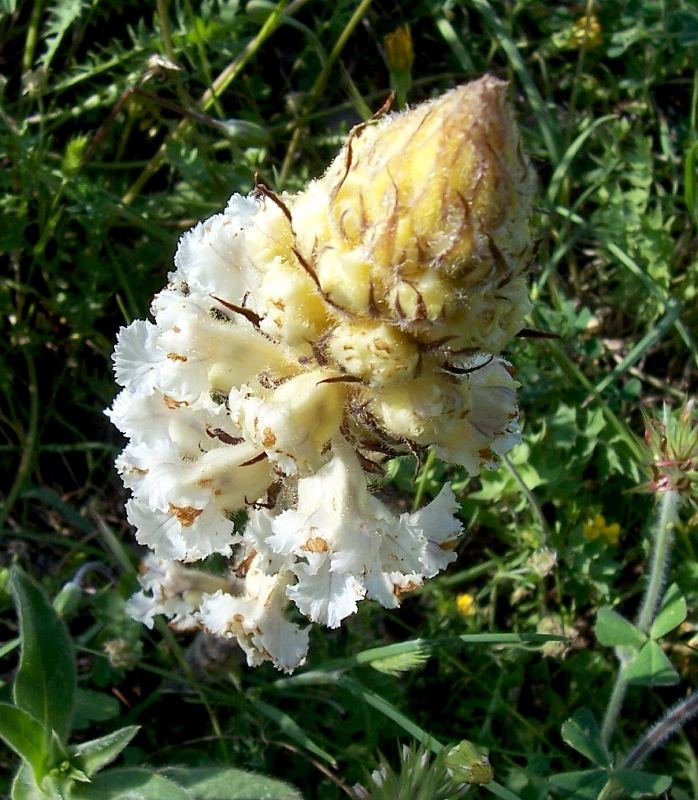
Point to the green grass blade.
(570, 154)
(689, 182)
(535, 99)
(388, 709)
(451, 38)
(633, 267)
(654, 335)
(291, 728)
(500, 791)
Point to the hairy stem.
(615, 703)
(655, 736)
(659, 564)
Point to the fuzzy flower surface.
(301, 340)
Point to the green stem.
(659, 563)
(318, 87)
(422, 480)
(32, 36)
(528, 494)
(29, 445)
(615, 703)
(208, 98)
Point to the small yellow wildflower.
(399, 56)
(399, 51)
(465, 603)
(597, 528)
(586, 32)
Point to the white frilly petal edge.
(256, 619)
(137, 357)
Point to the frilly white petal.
(184, 533)
(322, 595)
(212, 257)
(256, 619)
(137, 357)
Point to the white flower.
(348, 545)
(172, 590)
(256, 619)
(303, 339)
(137, 357)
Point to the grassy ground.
(120, 126)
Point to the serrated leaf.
(642, 784)
(613, 630)
(582, 733)
(97, 753)
(62, 16)
(651, 667)
(211, 783)
(44, 685)
(133, 783)
(671, 614)
(403, 662)
(26, 736)
(583, 785)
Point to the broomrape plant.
(302, 340)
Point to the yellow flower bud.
(399, 52)
(423, 213)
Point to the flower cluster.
(303, 339)
(597, 528)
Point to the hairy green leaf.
(214, 783)
(642, 784)
(672, 613)
(97, 753)
(129, 784)
(26, 736)
(44, 685)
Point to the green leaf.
(91, 706)
(129, 784)
(613, 630)
(45, 682)
(672, 613)
(582, 733)
(212, 783)
(651, 667)
(642, 784)
(97, 753)
(26, 736)
(24, 787)
(583, 785)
